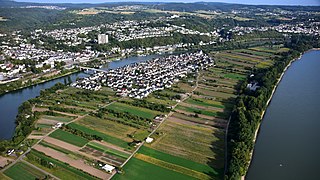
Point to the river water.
(10, 102)
(288, 144)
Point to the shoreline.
(267, 104)
(41, 82)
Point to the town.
(152, 90)
(141, 79)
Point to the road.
(45, 172)
(20, 158)
(81, 117)
(170, 114)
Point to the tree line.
(246, 115)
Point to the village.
(140, 79)
(18, 46)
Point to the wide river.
(10, 102)
(288, 144)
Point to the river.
(288, 143)
(10, 102)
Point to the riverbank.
(42, 81)
(267, 104)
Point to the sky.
(257, 2)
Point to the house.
(108, 168)
(57, 125)
(253, 86)
(149, 140)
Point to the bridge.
(92, 69)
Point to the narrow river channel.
(10, 102)
(288, 144)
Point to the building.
(103, 39)
(1, 76)
(108, 168)
(149, 140)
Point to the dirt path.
(39, 169)
(79, 164)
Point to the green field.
(107, 138)
(201, 111)
(111, 128)
(205, 103)
(58, 118)
(179, 161)
(23, 171)
(107, 150)
(138, 111)
(235, 76)
(62, 170)
(69, 138)
(43, 126)
(137, 169)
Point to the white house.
(108, 168)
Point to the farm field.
(23, 171)
(111, 128)
(69, 138)
(177, 160)
(61, 170)
(105, 137)
(108, 150)
(73, 161)
(136, 169)
(190, 138)
(58, 118)
(138, 111)
(189, 144)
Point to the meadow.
(69, 138)
(23, 171)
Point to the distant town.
(143, 90)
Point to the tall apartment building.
(103, 39)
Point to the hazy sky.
(269, 2)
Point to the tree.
(69, 80)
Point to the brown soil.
(34, 136)
(62, 144)
(4, 161)
(39, 109)
(47, 121)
